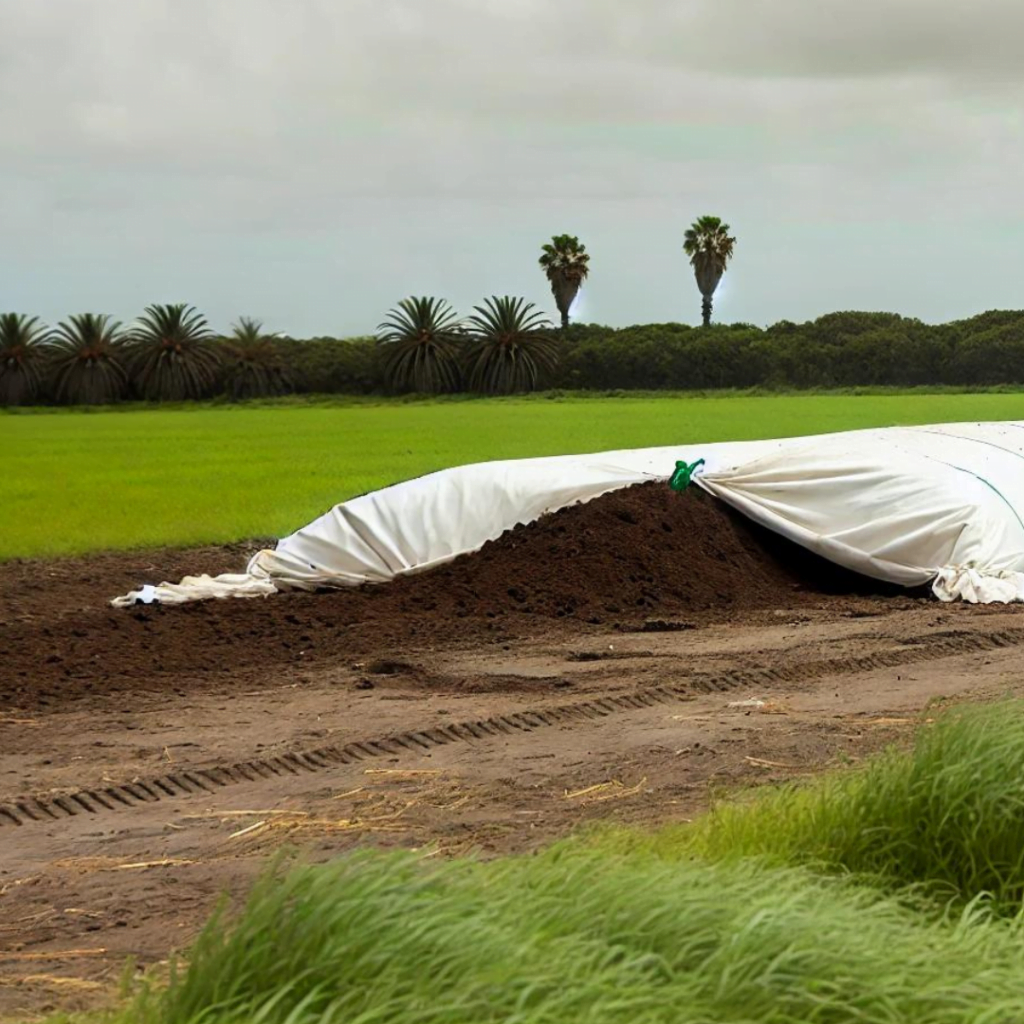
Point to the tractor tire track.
(189, 782)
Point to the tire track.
(49, 808)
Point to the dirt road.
(152, 759)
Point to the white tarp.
(910, 505)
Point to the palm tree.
(421, 340)
(709, 246)
(88, 361)
(510, 346)
(566, 263)
(24, 347)
(253, 366)
(173, 355)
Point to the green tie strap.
(680, 479)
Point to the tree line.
(844, 349)
(849, 349)
(504, 346)
(170, 353)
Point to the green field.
(74, 482)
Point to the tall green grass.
(578, 935)
(685, 927)
(75, 482)
(946, 816)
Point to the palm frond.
(708, 238)
(173, 355)
(88, 363)
(421, 341)
(511, 346)
(248, 330)
(252, 364)
(565, 256)
(24, 348)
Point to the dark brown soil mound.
(641, 551)
(644, 557)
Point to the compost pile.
(639, 551)
(638, 558)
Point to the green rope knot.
(680, 479)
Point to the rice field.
(72, 482)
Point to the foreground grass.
(579, 935)
(76, 482)
(945, 818)
(922, 925)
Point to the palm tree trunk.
(564, 289)
(705, 309)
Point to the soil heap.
(641, 557)
(639, 551)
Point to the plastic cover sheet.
(910, 505)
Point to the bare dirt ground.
(153, 759)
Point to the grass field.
(625, 927)
(74, 482)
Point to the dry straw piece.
(613, 790)
(142, 865)
(760, 762)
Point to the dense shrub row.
(841, 349)
(836, 350)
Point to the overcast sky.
(310, 162)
